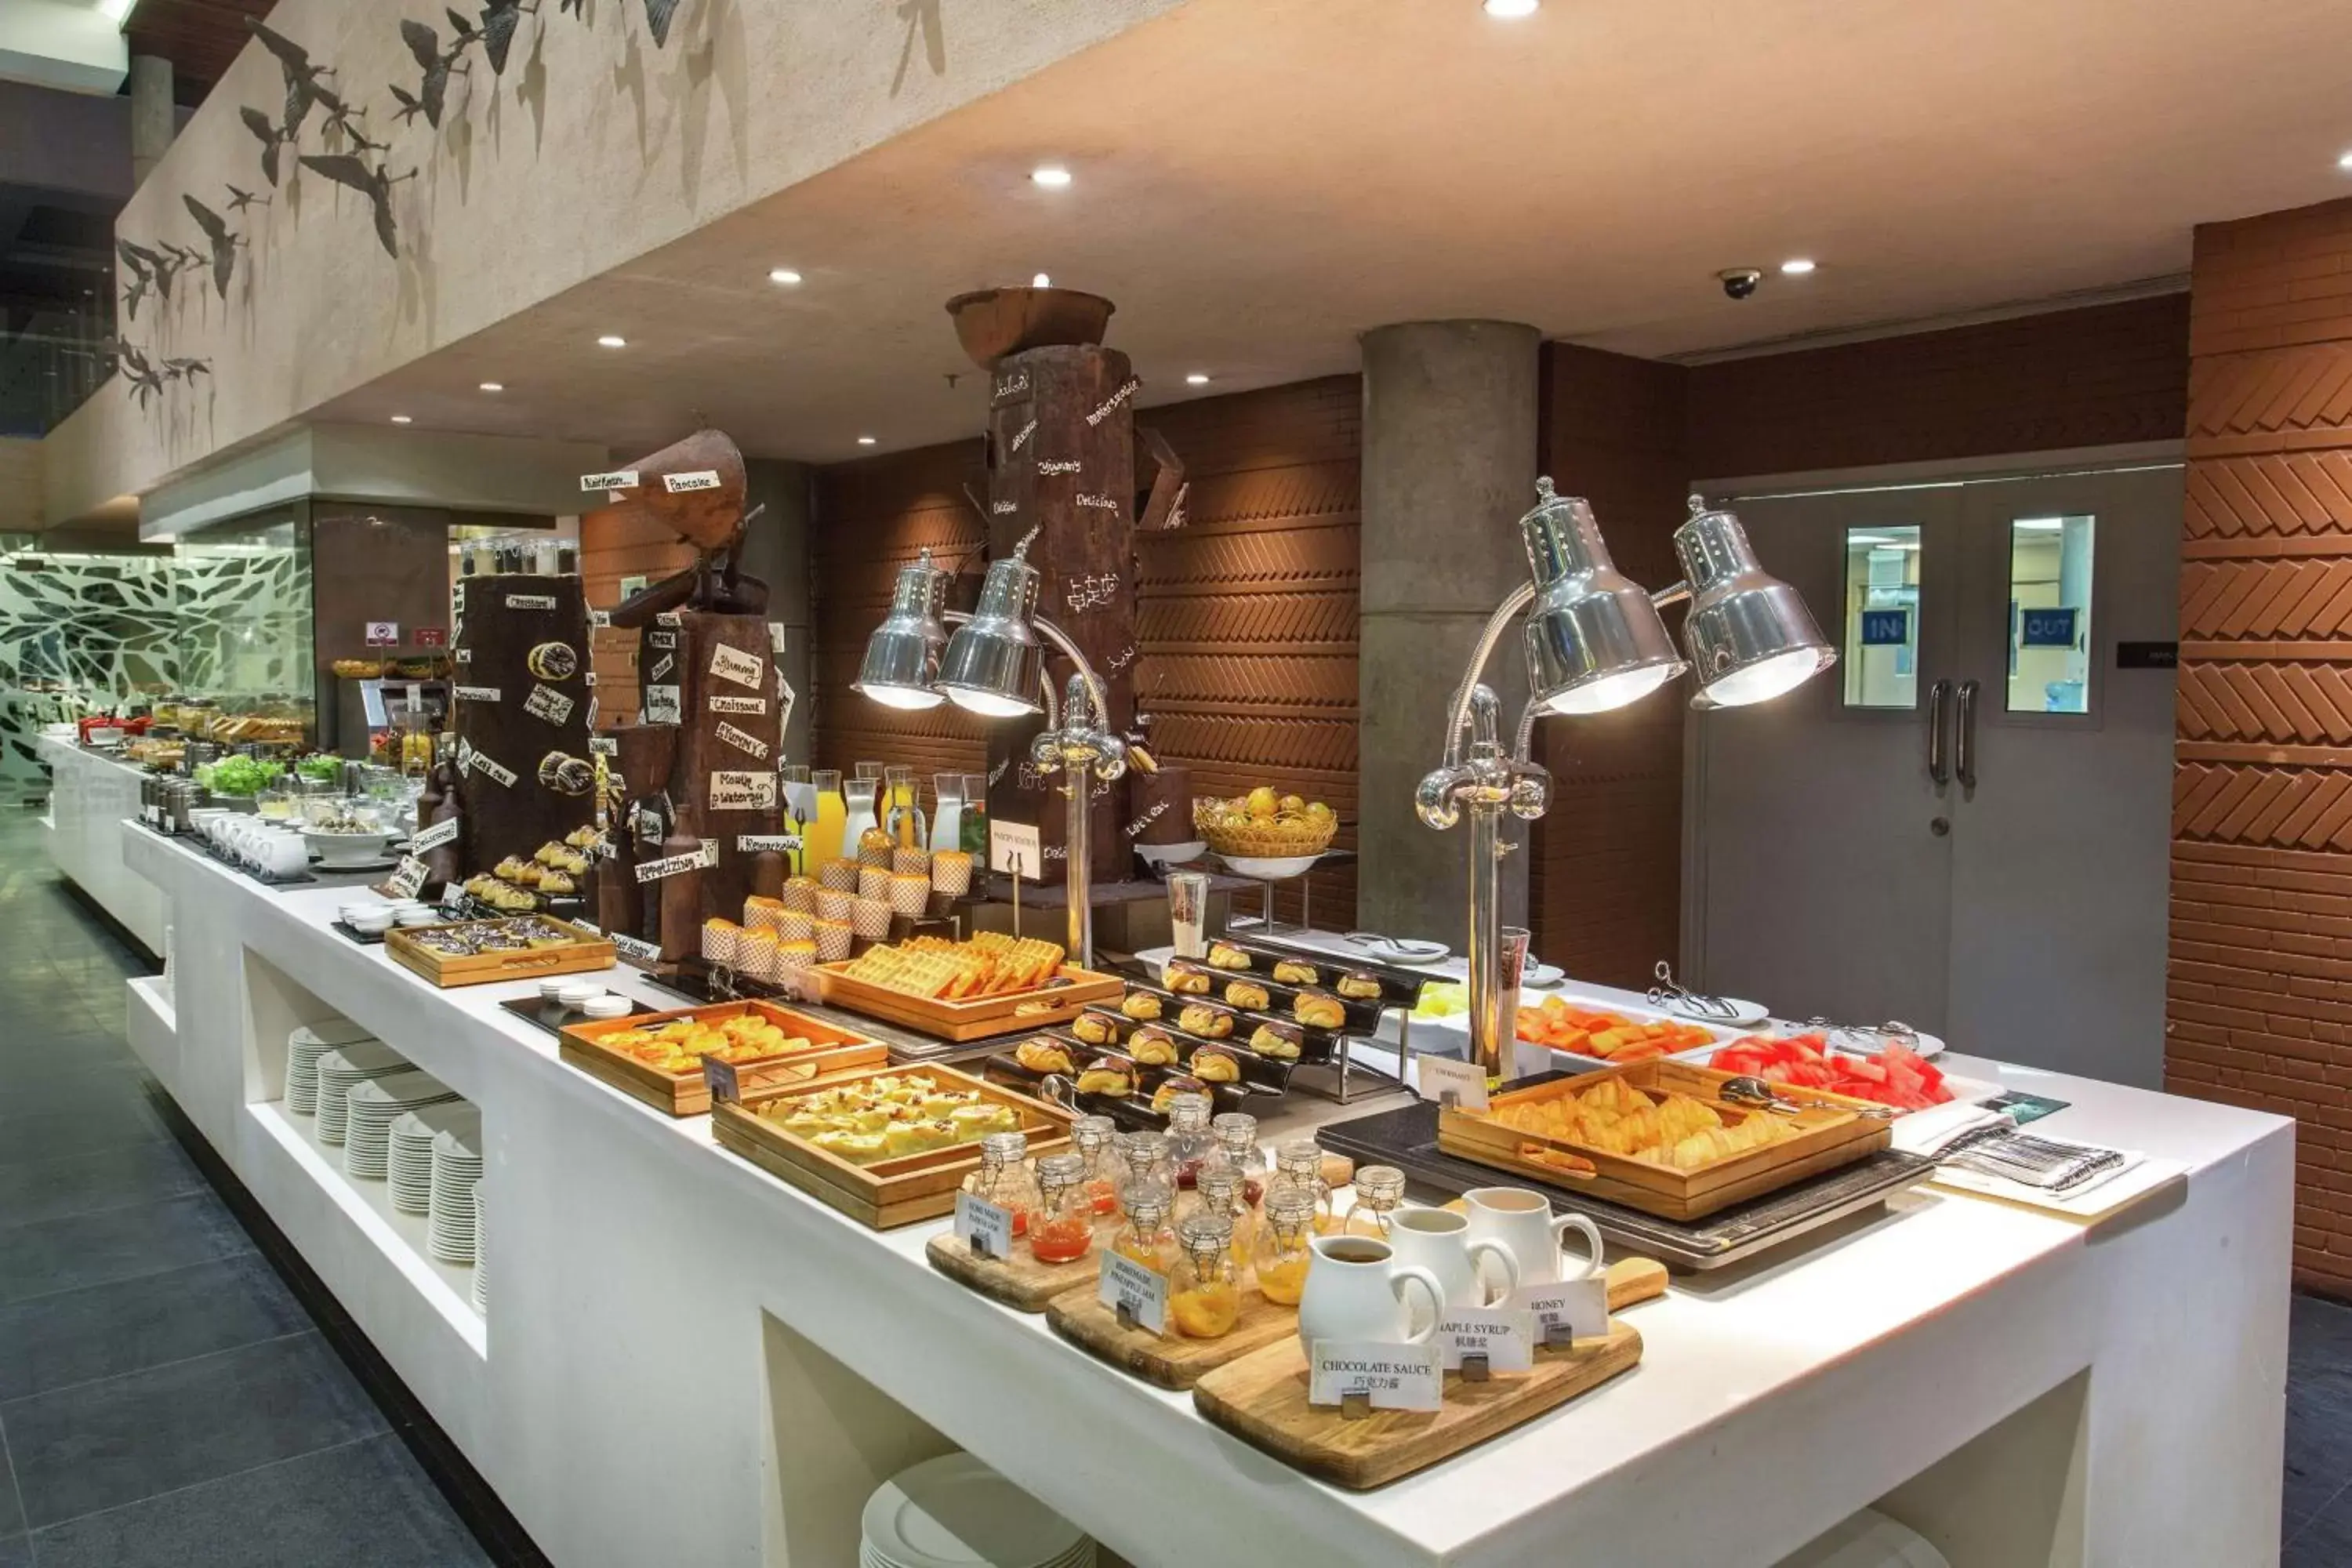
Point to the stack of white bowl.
(343, 1066)
(456, 1166)
(374, 1105)
(955, 1512)
(303, 1050)
(411, 1151)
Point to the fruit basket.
(1262, 834)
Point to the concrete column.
(1450, 433)
(152, 120)
(777, 553)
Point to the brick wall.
(612, 547)
(2259, 1012)
(1246, 614)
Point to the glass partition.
(243, 610)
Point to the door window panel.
(2050, 614)
(1881, 616)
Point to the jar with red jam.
(1090, 1137)
(1237, 1134)
(1062, 1228)
(1190, 1141)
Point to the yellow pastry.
(1094, 1028)
(1246, 994)
(1108, 1075)
(1209, 1022)
(1279, 1041)
(1153, 1049)
(1290, 971)
(1141, 1005)
(1215, 1067)
(1165, 1095)
(1318, 1011)
(1224, 955)
(1186, 980)
(1361, 984)
(1044, 1054)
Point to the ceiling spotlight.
(401, 419)
(1796, 267)
(2344, 162)
(865, 440)
(1041, 281)
(1198, 378)
(784, 274)
(494, 386)
(1512, 10)
(1053, 176)
(612, 340)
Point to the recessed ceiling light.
(1796, 267)
(784, 275)
(494, 386)
(1512, 10)
(865, 440)
(612, 340)
(1198, 378)
(1053, 176)
(1041, 281)
(2344, 162)
(401, 419)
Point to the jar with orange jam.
(1143, 1235)
(1379, 1189)
(1062, 1228)
(1091, 1137)
(1282, 1250)
(1204, 1293)
(1218, 1190)
(1237, 1134)
(1003, 1177)
(1298, 1167)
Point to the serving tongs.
(1672, 996)
(1894, 1032)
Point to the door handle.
(1964, 750)
(1939, 767)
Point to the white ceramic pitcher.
(1522, 1223)
(1440, 1241)
(1356, 1291)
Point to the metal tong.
(1675, 997)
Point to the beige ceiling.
(1258, 181)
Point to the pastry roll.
(1246, 994)
(1361, 984)
(1278, 1041)
(1164, 1098)
(1045, 1054)
(1213, 1066)
(1290, 971)
(1211, 1022)
(1094, 1028)
(1152, 1047)
(1187, 980)
(1108, 1075)
(1225, 956)
(1319, 1011)
(1141, 1005)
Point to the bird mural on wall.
(271, 138)
(500, 20)
(433, 92)
(142, 277)
(302, 77)
(658, 14)
(185, 369)
(145, 380)
(156, 271)
(224, 243)
(239, 200)
(375, 183)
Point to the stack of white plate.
(481, 1251)
(456, 1166)
(1867, 1539)
(343, 1066)
(372, 1106)
(956, 1512)
(413, 1133)
(303, 1049)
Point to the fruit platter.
(1607, 1037)
(1896, 1076)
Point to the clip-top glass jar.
(1379, 1189)
(1282, 1250)
(1145, 1157)
(1003, 1177)
(1190, 1141)
(1091, 1137)
(1219, 1190)
(1144, 1236)
(1298, 1166)
(1237, 1135)
(1204, 1293)
(1062, 1228)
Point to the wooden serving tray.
(977, 1018)
(1019, 1281)
(588, 950)
(1262, 1399)
(888, 1193)
(1831, 1132)
(589, 1047)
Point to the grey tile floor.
(164, 1398)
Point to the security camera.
(1740, 282)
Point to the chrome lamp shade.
(993, 662)
(1750, 636)
(901, 667)
(1594, 640)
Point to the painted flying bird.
(181, 255)
(133, 295)
(374, 184)
(271, 137)
(143, 378)
(360, 146)
(156, 269)
(465, 34)
(499, 20)
(186, 370)
(240, 200)
(302, 89)
(425, 47)
(224, 243)
(573, 7)
(657, 19)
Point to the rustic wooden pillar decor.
(521, 697)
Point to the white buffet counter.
(88, 797)
(685, 1361)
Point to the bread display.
(1043, 1053)
(888, 1116)
(1246, 994)
(679, 1048)
(1318, 1011)
(1152, 1047)
(1281, 1042)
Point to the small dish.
(371, 923)
(607, 1004)
(427, 917)
(573, 993)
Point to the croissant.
(1318, 1011)
(1188, 982)
(1141, 1005)
(1211, 1066)
(1153, 1049)
(1044, 1054)
(1246, 994)
(1108, 1075)
(1224, 955)
(1209, 1022)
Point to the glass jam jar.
(1237, 1135)
(1282, 1254)
(1062, 1230)
(1003, 1177)
(1379, 1189)
(1144, 1234)
(1190, 1141)
(1298, 1166)
(1091, 1137)
(1204, 1292)
(1145, 1157)
(1219, 1190)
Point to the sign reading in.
(700, 859)
(1885, 628)
(1015, 848)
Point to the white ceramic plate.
(1401, 949)
(1173, 854)
(1541, 974)
(1744, 1014)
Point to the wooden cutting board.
(1262, 1399)
(1019, 1281)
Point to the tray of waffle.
(987, 985)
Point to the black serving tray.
(554, 1017)
(1268, 1073)
(1361, 1015)
(1407, 1139)
(1316, 1046)
(1131, 1110)
(1399, 983)
(350, 933)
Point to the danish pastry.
(1186, 980)
(1318, 1011)
(1210, 1023)
(1246, 994)
(1361, 984)
(1290, 971)
(1279, 1041)
(1045, 1054)
(1225, 956)
(1108, 1075)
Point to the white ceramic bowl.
(1271, 868)
(578, 993)
(607, 1004)
(427, 917)
(373, 922)
(346, 848)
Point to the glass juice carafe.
(903, 808)
(830, 822)
(946, 818)
(972, 831)
(865, 786)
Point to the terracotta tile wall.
(2259, 990)
(1246, 614)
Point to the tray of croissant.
(1658, 1136)
(974, 990)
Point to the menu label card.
(1394, 1377)
(1013, 849)
(720, 702)
(1142, 1291)
(726, 1089)
(546, 702)
(776, 636)
(530, 601)
(743, 791)
(633, 950)
(406, 877)
(600, 618)
(668, 618)
(761, 843)
(483, 766)
(699, 480)
(985, 1228)
(619, 480)
(733, 664)
(1579, 1307)
(1504, 1336)
(603, 746)
(661, 639)
(662, 667)
(477, 693)
(435, 836)
(662, 705)
(700, 859)
(1442, 1075)
(742, 740)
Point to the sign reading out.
(2052, 627)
